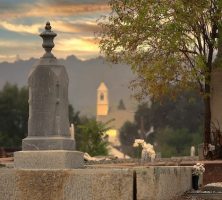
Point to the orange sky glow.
(75, 22)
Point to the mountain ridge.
(84, 78)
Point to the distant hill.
(84, 78)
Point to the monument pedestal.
(57, 159)
(48, 143)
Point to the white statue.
(72, 131)
(192, 151)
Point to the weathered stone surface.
(212, 172)
(48, 108)
(48, 124)
(100, 184)
(162, 183)
(96, 184)
(48, 100)
(214, 187)
(48, 143)
(57, 159)
(7, 184)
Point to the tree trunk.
(207, 120)
(207, 125)
(207, 115)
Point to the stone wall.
(144, 183)
(162, 183)
(213, 172)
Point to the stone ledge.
(57, 159)
(74, 184)
(48, 143)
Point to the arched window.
(101, 97)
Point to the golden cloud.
(67, 10)
(20, 28)
(75, 27)
(77, 44)
(46, 10)
(61, 26)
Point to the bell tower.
(102, 100)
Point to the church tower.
(102, 100)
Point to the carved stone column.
(49, 139)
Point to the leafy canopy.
(177, 125)
(13, 115)
(91, 138)
(167, 42)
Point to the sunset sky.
(21, 21)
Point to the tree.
(91, 138)
(176, 142)
(143, 119)
(121, 105)
(176, 129)
(74, 117)
(128, 134)
(169, 44)
(173, 142)
(185, 111)
(13, 115)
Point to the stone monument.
(49, 143)
(192, 151)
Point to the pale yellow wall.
(113, 137)
(102, 109)
(102, 100)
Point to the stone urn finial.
(48, 36)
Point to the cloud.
(75, 27)
(77, 44)
(50, 10)
(20, 28)
(57, 26)
(73, 20)
(66, 10)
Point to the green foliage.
(74, 117)
(91, 138)
(177, 125)
(161, 43)
(186, 111)
(143, 118)
(169, 44)
(121, 105)
(89, 134)
(174, 141)
(128, 134)
(13, 115)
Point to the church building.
(115, 115)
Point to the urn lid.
(48, 37)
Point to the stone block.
(47, 143)
(7, 184)
(75, 184)
(162, 183)
(58, 159)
